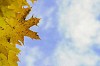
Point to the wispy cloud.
(77, 23)
(80, 24)
(29, 56)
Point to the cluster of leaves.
(13, 28)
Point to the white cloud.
(49, 23)
(66, 56)
(29, 56)
(77, 22)
(33, 56)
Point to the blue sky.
(69, 32)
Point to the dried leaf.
(13, 28)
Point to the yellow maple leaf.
(13, 28)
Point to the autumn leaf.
(13, 28)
